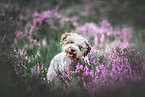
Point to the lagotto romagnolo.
(75, 48)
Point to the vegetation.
(30, 37)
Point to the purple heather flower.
(86, 68)
(78, 78)
(26, 57)
(97, 69)
(85, 73)
(34, 41)
(38, 53)
(91, 73)
(29, 61)
(44, 43)
(81, 67)
(24, 66)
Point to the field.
(30, 33)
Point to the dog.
(75, 49)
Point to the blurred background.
(30, 32)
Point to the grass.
(31, 38)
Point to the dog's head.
(75, 45)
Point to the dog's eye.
(80, 47)
(69, 42)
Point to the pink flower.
(85, 73)
(26, 57)
(67, 83)
(98, 70)
(24, 66)
(91, 74)
(102, 40)
(34, 41)
(78, 78)
(21, 52)
(14, 50)
(44, 78)
(77, 66)
(77, 71)
(86, 68)
(38, 54)
(35, 14)
(81, 67)
(38, 44)
(29, 61)
(43, 42)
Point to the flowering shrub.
(106, 70)
(113, 60)
(32, 46)
(104, 33)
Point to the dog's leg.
(51, 70)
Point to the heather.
(30, 37)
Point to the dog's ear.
(88, 48)
(63, 37)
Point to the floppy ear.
(63, 38)
(88, 48)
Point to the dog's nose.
(72, 50)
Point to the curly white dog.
(75, 48)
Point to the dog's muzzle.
(71, 53)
